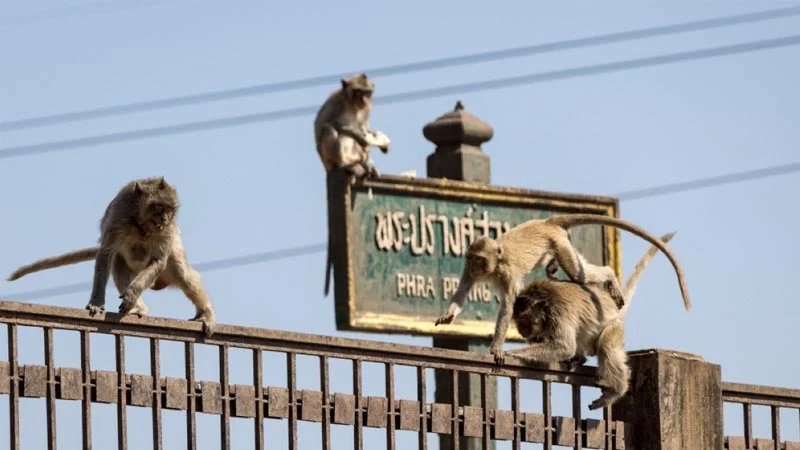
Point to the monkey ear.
(137, 188)
(500, 252)
(344, 83)
(161, 183)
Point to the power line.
(408, 96)
(419, 66)
(290, 252)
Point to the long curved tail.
(566, 221)
(630, 285)
(84, 254)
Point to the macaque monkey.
(564, 321)
(341, 128)
(140, 246)
(343, 136)
(505, 261)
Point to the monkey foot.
(576, 361)
(597, 404)
(95, 309)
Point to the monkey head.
(157, 203)
(358, 90)
(483, 255)
(530, 314)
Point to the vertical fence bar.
(517, 443)
(225, 393)
(576, 414)
(358, 442)
(291, 378)
(191, 406)
(422, 397)
(747, 415)
(487, 424)
(456, 430)
(122, 394)
(548, 415)
(86, 404)
(776, 427)
(324, 384)
(390, 437)
(13, 400)
(607, 417)
(258, 380)
(155, 372)
(51, 388)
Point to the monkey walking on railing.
(140, 246)
(505, 261)
(563, 321)
(343, 136)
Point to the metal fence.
(260, 403)
(773, 398)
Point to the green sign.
(398, 248)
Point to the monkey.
(343, 137)
(341, 128)
(504, 261)
(140, 246)
(563, 321)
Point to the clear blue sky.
(600, 134)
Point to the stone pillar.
(674, 401)
(458, 136)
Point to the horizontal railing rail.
(749, 395)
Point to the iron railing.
(775, 399)
(258, 402)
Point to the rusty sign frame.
(340, 204)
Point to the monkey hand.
(499, 355)
(381, 141)
(445, 319)
(208, 320)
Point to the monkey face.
(358, 89)
(158, 204)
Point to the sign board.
(398, 248)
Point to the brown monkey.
(341, 128)
(505, 261)
(562, 320)
(343, 136)
(140, 245)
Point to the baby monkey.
(505, 261)
(140, 246)
(564, 321)
(341, 129)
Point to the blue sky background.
(240, 192)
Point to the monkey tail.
(328, 267)
(566, 221)
(630, 285)
(84, 254)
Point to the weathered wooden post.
(674, 401)
(458, 136)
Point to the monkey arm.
(361, 137)
(457, 301)
(503, 319)
(144, 279)
(97, 299)
(558, 349)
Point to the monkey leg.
(188, 280)
(581, 271)
(123, 276)
(612, 366)
(97, 300)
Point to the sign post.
(398, 245)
